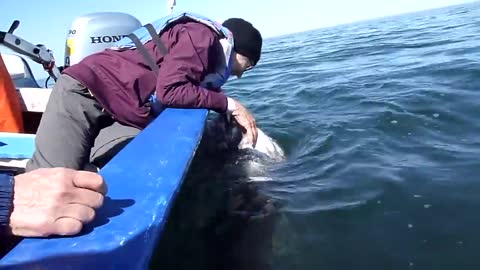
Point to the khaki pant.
(70, 127)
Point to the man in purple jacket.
(49, 201)
(116, 86)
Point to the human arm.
(189, 60)
(6, 201)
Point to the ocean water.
(380, 123)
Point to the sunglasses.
(250, 65)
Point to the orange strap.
(10, 110)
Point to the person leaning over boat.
(184, 66)
(48, 201)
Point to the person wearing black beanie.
(178, 61)
(247, 39)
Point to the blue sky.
(47, 22)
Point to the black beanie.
(247, 39)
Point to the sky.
(47, 22)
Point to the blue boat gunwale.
(143, 180)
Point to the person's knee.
(110, 141)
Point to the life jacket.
(151, 32)
(10, 110)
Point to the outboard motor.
(94, 32)
(88, 34)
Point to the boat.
(141, 190)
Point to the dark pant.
(69, 128)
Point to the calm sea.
(380, 122)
